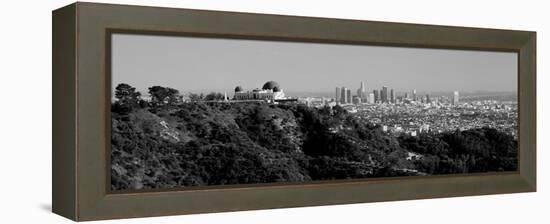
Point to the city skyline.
(203, 65)
(384, 95)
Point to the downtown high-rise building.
(384, 94)
(376, 95)
(343, 96)
(348, 95)
(455, 98)
(370, 99)
(414, 95)
(362, 91)
(337, 96)
(392, 96)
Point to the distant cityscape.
(413, 114)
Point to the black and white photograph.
(204, 111)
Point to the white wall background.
(25, 112)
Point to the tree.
(214, 96)
(127, 99)
(161, 96)
(127, 95)
(193, 97)
(339, 112)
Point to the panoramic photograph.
(197, 111)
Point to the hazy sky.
(206, 64)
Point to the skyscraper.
(376, 95)
(337, 97)
(384, 94)
(414, 95)
(362, 91)
(371, 98)
(392, 96)
(343, 97)
(428, 98)
(455, 98)
(348, 95)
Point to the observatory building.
(270, 91)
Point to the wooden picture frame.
(81, 110)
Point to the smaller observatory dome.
(271, 85)
(276, 89)
(238, 89)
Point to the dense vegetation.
(167, 143)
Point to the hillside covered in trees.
(165, 143)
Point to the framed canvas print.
(160, 111)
